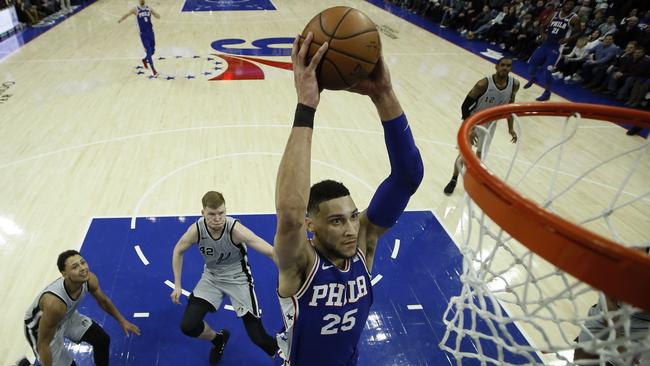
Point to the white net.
(516, 308)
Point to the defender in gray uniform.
(53, 315)
(497, 89)
(223, 243)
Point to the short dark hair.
(324, 191)
(60, 262)
(504, 58)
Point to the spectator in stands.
(609, 27)
(645, 21)
(598, 59)
(570, 63)
(478, 20)
(628, 32)
(450, 11)
(26, 12)
(639, 91)
(497, 20)
(595, 22)
(600, 78)
(634, 68)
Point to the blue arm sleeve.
(407, 170)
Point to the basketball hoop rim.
(620, 272)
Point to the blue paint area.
(227, 5)
(13, 43)
(570, 91)
(263, 47)
(425, 272)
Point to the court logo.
(243, 63)
(4, 88)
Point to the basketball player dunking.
(499, 88)
(222, 241)
(143, 13)
(53, 315)
(562, 25)
(324, 284)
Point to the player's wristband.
(304, 116)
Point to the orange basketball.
(354, 46)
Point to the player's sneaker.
(217, 351)
(529, 83)
(544, 97)
(23, 362)
(154, 72)
(144, 63)
(449, 188)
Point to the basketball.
(354, 46)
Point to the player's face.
(76, 269)
(336, 227)
(504, 67)
(568, 5)
(215, 218)
(141, 2)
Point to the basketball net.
(515, 307)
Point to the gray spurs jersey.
(56, 288)
(494, 96)
(226, 260)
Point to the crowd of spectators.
(31, 12)
(610, 56)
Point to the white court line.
(136, 210)
(171, 285)
(376, 279)
(414, 307)
(141, 255)
(140, 315)
(395, 249)
(229, 307)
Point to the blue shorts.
(546, 56)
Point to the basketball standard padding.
(354, 46)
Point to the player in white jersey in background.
(53, 315)
(222, 241)
(497, 89)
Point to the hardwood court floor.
(83, 135)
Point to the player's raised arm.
(131, 12)
(407, 169)
(190, 237)
(242, 234)
(292, 185)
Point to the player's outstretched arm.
(407, 169)
(154, 13)
(290, 250)
(53, 312)
(131, 12)
(511, 122)
(190, 237)
(107, 305)
(242, 234)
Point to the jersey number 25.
(335, 322)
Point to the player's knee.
(191, 328)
